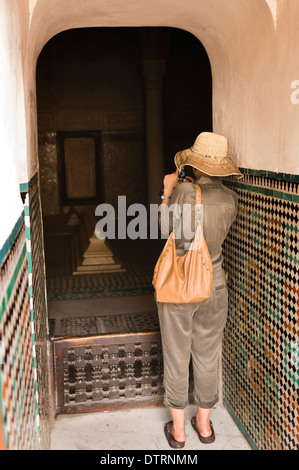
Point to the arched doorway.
(238, 38)
(92, 100)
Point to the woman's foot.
(204, 428)
(205, 432)
(178, 433)
(174, 440)
(178, 424)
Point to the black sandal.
(171, 440)
(203, 440)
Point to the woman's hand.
(171, 181)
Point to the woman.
(195, 330)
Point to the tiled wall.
(38, 305)
(18, 385)
(260, 349)
(24, 395)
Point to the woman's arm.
(170, 182)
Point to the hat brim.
(210, 166)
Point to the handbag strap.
(198, 227)
(198, 193)
(198, 201)
(197, 209)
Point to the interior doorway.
(92, 148)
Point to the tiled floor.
(139, 429)
(85, 317)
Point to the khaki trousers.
(193, 331)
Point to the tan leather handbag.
(187, 278)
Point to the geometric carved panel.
(100, 372)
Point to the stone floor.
(139, 429)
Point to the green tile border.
(271, 174)
(24, 187)
(262, 190)
(10, 240)
(7, 294)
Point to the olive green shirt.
(218, 212)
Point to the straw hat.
(209, 155)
